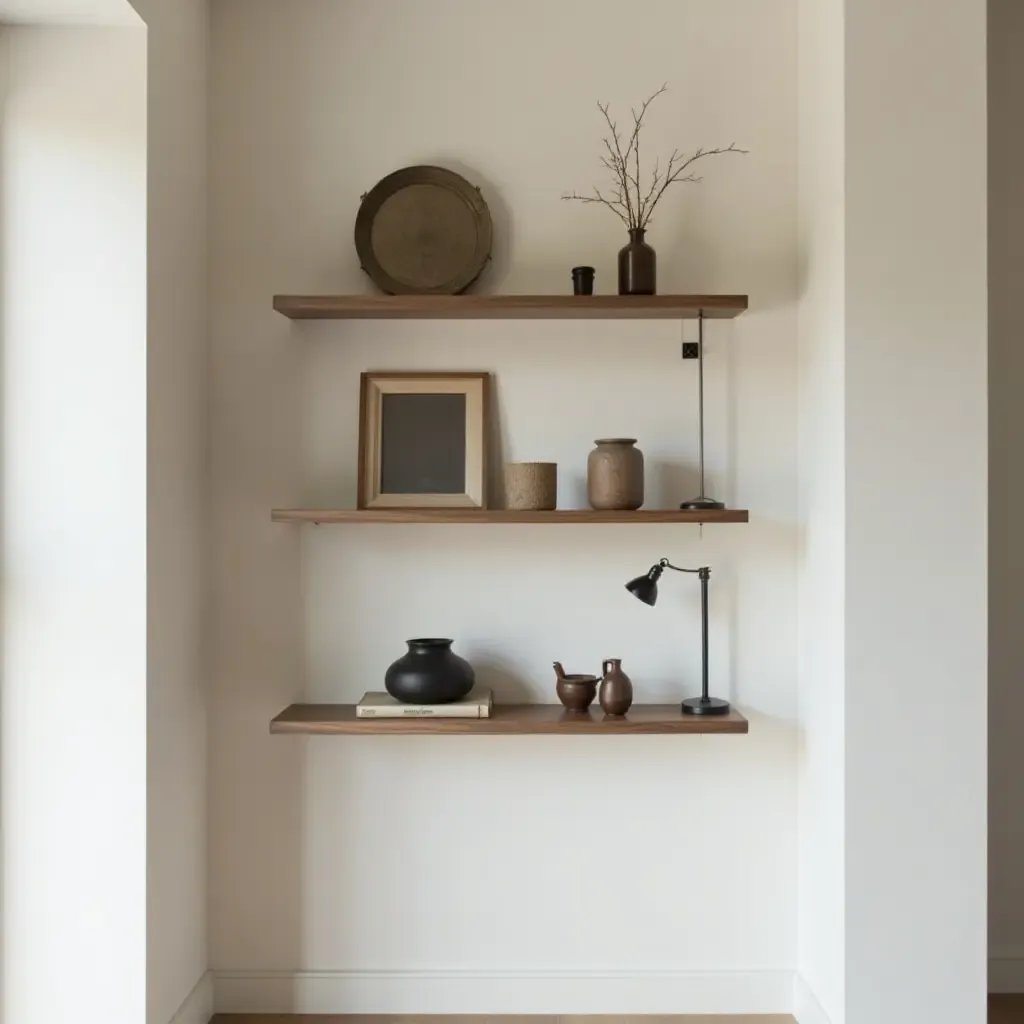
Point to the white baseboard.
(198, 1005)
(806, 1008)
(1006, 970)
(511, 992)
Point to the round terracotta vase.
(615, 475)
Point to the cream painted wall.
(667, 866)
(1006, 489)
(178, 512)
(68, 12)
(916, 381)
(822, 512)
(73, 530)
(47, 102)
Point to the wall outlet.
(691, 349)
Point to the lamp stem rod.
(700, 393)
(704, 635)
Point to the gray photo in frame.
(422, 440)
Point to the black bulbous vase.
(429, 673)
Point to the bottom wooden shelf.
(508, 720)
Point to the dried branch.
(676, 175)
(632, 204)
(634, 145)
(617, 207)
(645, 205)
(614, 147)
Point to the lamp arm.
(704, 571)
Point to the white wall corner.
(806, 1008)
(1006, 969)
(506, 992)
(198, 1005)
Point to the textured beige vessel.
(615, 475)
(531, 486)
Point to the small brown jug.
(616, 693)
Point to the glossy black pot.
(429, 674)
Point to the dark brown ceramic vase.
(638, 266)
(616, 694)
(615, 475)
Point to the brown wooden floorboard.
(289, 1018)
(1006, 1009)
(1003, 1009)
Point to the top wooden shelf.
(509, 307)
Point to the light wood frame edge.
(477, 437)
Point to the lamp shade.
(645, 587)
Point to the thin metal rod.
(700, 392)
(704, 573)
(704, 634)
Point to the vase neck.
(426, 645)
(637, 234)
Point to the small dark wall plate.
(423, 231)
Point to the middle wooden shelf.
(475, 515)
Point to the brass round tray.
(423, 231)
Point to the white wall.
(341, 858)
(1006, 490)
(178, 509)
(74, 525)
(68, 12)
(916, 512)
(822, 510)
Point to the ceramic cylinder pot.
(429, 673)
(531, 486)
(615, 475)
(616, 694)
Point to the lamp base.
(702, 504)
(705, 706)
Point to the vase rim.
(615, 440)
(429, 641)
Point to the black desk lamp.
(646, 589)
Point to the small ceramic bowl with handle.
(576, 691)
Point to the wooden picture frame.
(423, 440)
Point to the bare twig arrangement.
(631, 202)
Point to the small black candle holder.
(583, 280)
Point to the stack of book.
(476, 704)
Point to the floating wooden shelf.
(508, 720)
(509, 307)
(473, 515)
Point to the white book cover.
(476, 704)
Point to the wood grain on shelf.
(508, 720)
(509, 307)
(479, 515)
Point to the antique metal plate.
(423, 231)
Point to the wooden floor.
(1002, 1010)
(1006, 1009)
(286, 1018)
